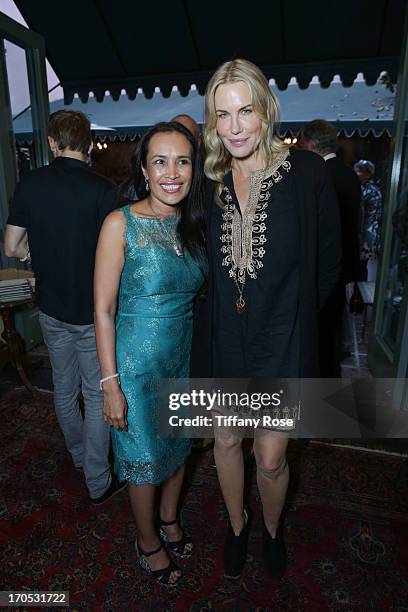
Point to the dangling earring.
(147, 183)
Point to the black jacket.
(320, 260)
(348, 191)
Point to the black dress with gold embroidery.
(283, 255)
(256, 277)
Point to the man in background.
(190, 124)
(58, 211)
(320, 137)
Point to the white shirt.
(329, 156)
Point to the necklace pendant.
(240, 304)
(179, 252)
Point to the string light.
(289, 140)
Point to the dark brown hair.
(322, 133)
(70, 130)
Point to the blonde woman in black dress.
(274, 254)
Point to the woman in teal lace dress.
(149, 268)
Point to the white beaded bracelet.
(107, 378)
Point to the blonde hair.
(265, 105)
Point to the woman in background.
(371, 212)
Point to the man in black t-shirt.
(56, 215)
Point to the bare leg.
(272, 476)
(169, 503)
(142, 500)
(230, 468)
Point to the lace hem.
(138, 473)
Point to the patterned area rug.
(346, 528)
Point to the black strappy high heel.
(181, 548)
(162, 576)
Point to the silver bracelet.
(107, 378)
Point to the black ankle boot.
(235, 549)
(274, 552)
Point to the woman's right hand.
(114, 407)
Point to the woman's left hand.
(115, 409)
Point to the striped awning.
(103, 46)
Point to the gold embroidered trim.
(243, 236)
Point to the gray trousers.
(75, 368)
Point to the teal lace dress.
(153, 341)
